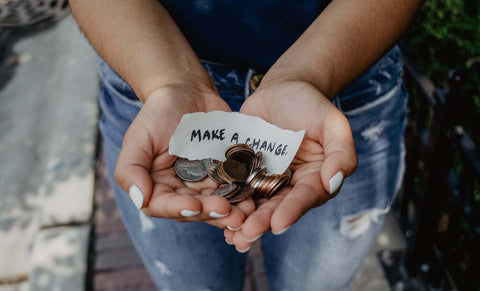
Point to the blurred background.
(59, 226)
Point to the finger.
(233, 221)
(340, 156)
(168, 203)
(247, 206)
(228, 234)
(133, 166)
(214, 206)
(259, 221)
(307, 193)
(241, 245)
(206, 183)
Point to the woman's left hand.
(325, 157)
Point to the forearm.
(142, 43)
(342, 42)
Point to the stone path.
(48, 132)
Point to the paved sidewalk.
(48, 117)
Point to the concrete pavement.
(48, 132)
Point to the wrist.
(154, 86)
(184, 96)
(285, 71)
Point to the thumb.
(340, 156)
(132, 172)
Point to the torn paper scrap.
(203, 135)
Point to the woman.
(162, 60)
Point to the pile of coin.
(241, 175)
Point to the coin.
(225, 190)
(288, 173)
(278, 182)
(240, 176)
(241, 153)
(190, 171)
(257, 161)
(233, 171)
(244, 193)
(253, 177)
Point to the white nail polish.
(335, 182)
(136, 195)
(234, 229)
(253, 239)
(228, 243)
(281, 231)
(189, 213)
(213, 214)
(243, 251)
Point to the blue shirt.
(244, 33)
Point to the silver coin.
(257, 162)
(190, 171)
(226, 190)
(212, 171)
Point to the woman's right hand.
(145, 168)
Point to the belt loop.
(250, 73)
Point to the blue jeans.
(323, 250)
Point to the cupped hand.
(145, 168)
(325, 157)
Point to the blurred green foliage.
(446, 35)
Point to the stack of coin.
(240, 175)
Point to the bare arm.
(142, 43)
(342, 42)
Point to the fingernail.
(189, 213)
(253, 239)
(228, 243)
(243, 251)
(136, 195)
(281, 231)
(213, 214)
(233, 228)
(335, 182)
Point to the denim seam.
(249, 75)
(389, 95)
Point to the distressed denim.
(324, 249)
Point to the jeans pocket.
(379, 124)
(116, 86)
(379, 79)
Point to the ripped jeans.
(324, 249)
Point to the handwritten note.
(207, 135)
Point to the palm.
(145, 156)
(298, 105)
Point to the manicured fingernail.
(253, 239)
(189, 213)
(243, 251)
(335, 182)
(136, 195)
(228, 243)
(233, 228)
(281, 231)
(213, 214)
